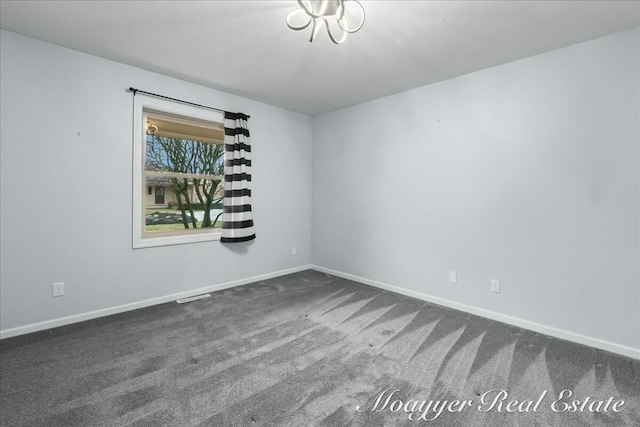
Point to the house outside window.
(178, 173)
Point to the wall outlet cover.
(495, 286)
(58, 289)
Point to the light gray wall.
(66, 199)
(527, 173)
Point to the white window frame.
(140, 103)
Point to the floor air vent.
(193, 298)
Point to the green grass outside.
(169, 227)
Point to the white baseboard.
(526, 324)
(62, 321)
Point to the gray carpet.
(306, 349)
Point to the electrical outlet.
(495, 286)
(58, 289)
(453, 277)
(294, 250)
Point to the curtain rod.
(134, 90)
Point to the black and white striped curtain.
(237, 220)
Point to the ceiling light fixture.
(321, 11)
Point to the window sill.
(150, 242)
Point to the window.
(178, 173)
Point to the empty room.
(319, 213)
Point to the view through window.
(183, 176)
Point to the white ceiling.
(245, 47)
